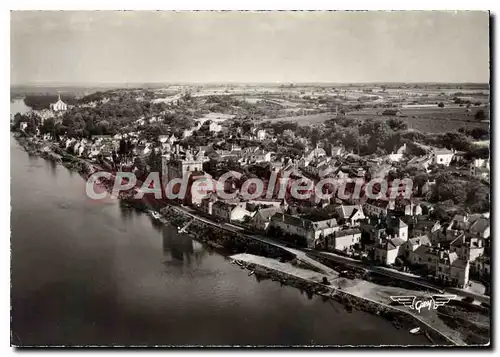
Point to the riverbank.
(313, 283)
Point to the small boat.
(415, 330)
(239, 263)
(251, 273)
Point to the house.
(421, 162)
(208, 202)
(261, 134)
(350, 214)
(442, 156)
(376, 208)
(313, 232)
(387, 250)
(293, 225)
(397, 228)
(479, 226)
(163, 139)
(343, 240)
(187, 133)
(398, 155)
(325, 227)
(407, 207)
(311, 154)
(444, 265)
(481, 267)
(262, 219)
(480, 167)
(200, 186)
(214, 127)
(172, 139)
(230, 211)
(412, 244)
(257, 155)
(336, 151)
(423, 225)
(262, 201)
(467, 248)
(476, 225)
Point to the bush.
(468, 299)
(480, 115)
(441, 105)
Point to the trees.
(397, 124)
(480, 115)
(48, 126)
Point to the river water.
(96, 273)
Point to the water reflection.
(53, 168)
(126, 212)
(181, 249)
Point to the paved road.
(301, 255)
(402, 276)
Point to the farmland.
(432, 119)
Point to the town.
(435, 231)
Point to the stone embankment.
(312, 284)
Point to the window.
(440, 269)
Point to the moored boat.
(415, 330)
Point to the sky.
(91, 47)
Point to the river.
(88, 273)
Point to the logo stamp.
(417, 304)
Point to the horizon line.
(30, 84)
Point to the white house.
(387, 250)
(442, 156)
(261, 134)
(230, 211)
(214, 127)
(398, 155)
(262, 219)
(344, 240)
(351, 214)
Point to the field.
(432, 119)
(305, 119)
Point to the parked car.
(347, 274)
